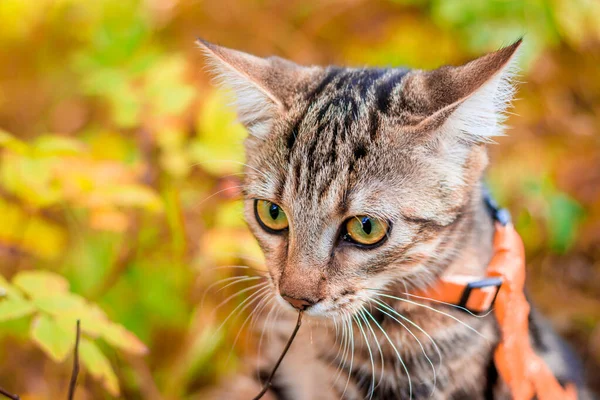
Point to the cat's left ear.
(468, 100)
(264, 88)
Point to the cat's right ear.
(264, 88)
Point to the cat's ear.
(264, 88)
(469, 100)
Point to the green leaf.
(118, 336)
(93, 319)
(52, 338)
(166, 87)
(14, 307)
(31, 179)
(40, 284)
(61, 304)
(564, 217)
(98, 366)
(218, 148)
(6, 289)
(230, 215)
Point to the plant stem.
(268, 383)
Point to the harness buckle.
(495, 282)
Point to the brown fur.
(408, 147)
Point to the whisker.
(351, 331)
(435, 310)
(236, 279)
(262, 333)
(257, 312)
(438, 350)
(346, 341)
(395, 351)
(260, 310)
(241, 256)
(452, 305)
(363, 316)
(420, 345)
(216, 194)
(232, 161)
(241, 328)
(436, 301)
(239, 305)
(335, 341)
(370, 355)
(238, 293)
(250, 278)
(336, 327)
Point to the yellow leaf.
(109, 145)
(59, 304)
(7, 290)
(52, 338)
(219, 146)
(230, 215)
(10, 142)
(98, 366)
(30, 233)
(44, 238)
(40, 284)
(51, 146)
(128, 195)
(120, 337)
(92, 319)
(30, 179)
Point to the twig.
(9, 395)
(268, 383)
(75, 371)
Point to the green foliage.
(55, 311)
(219, 146)
(98, 366)
(120, 164)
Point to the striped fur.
(402, 145)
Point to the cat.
(363, 184)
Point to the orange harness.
(525, 373)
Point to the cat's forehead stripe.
(340, 121)
(386, 89)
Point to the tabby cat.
(362, 185)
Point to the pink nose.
(298, 304)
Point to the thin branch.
(75, 371)
(268, 383)
(9, 395)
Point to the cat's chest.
(349, 360)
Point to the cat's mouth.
(348, 303)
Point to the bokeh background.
(119, 167)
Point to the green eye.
(270, 216)
(366, 230)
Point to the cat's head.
(360, 178)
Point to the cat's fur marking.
(405, 146)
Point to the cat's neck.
(473, 258)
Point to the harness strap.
(525, 373)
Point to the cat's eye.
(270, 216)
(365, 230)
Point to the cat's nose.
(298, 304)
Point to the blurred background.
(119, 167)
